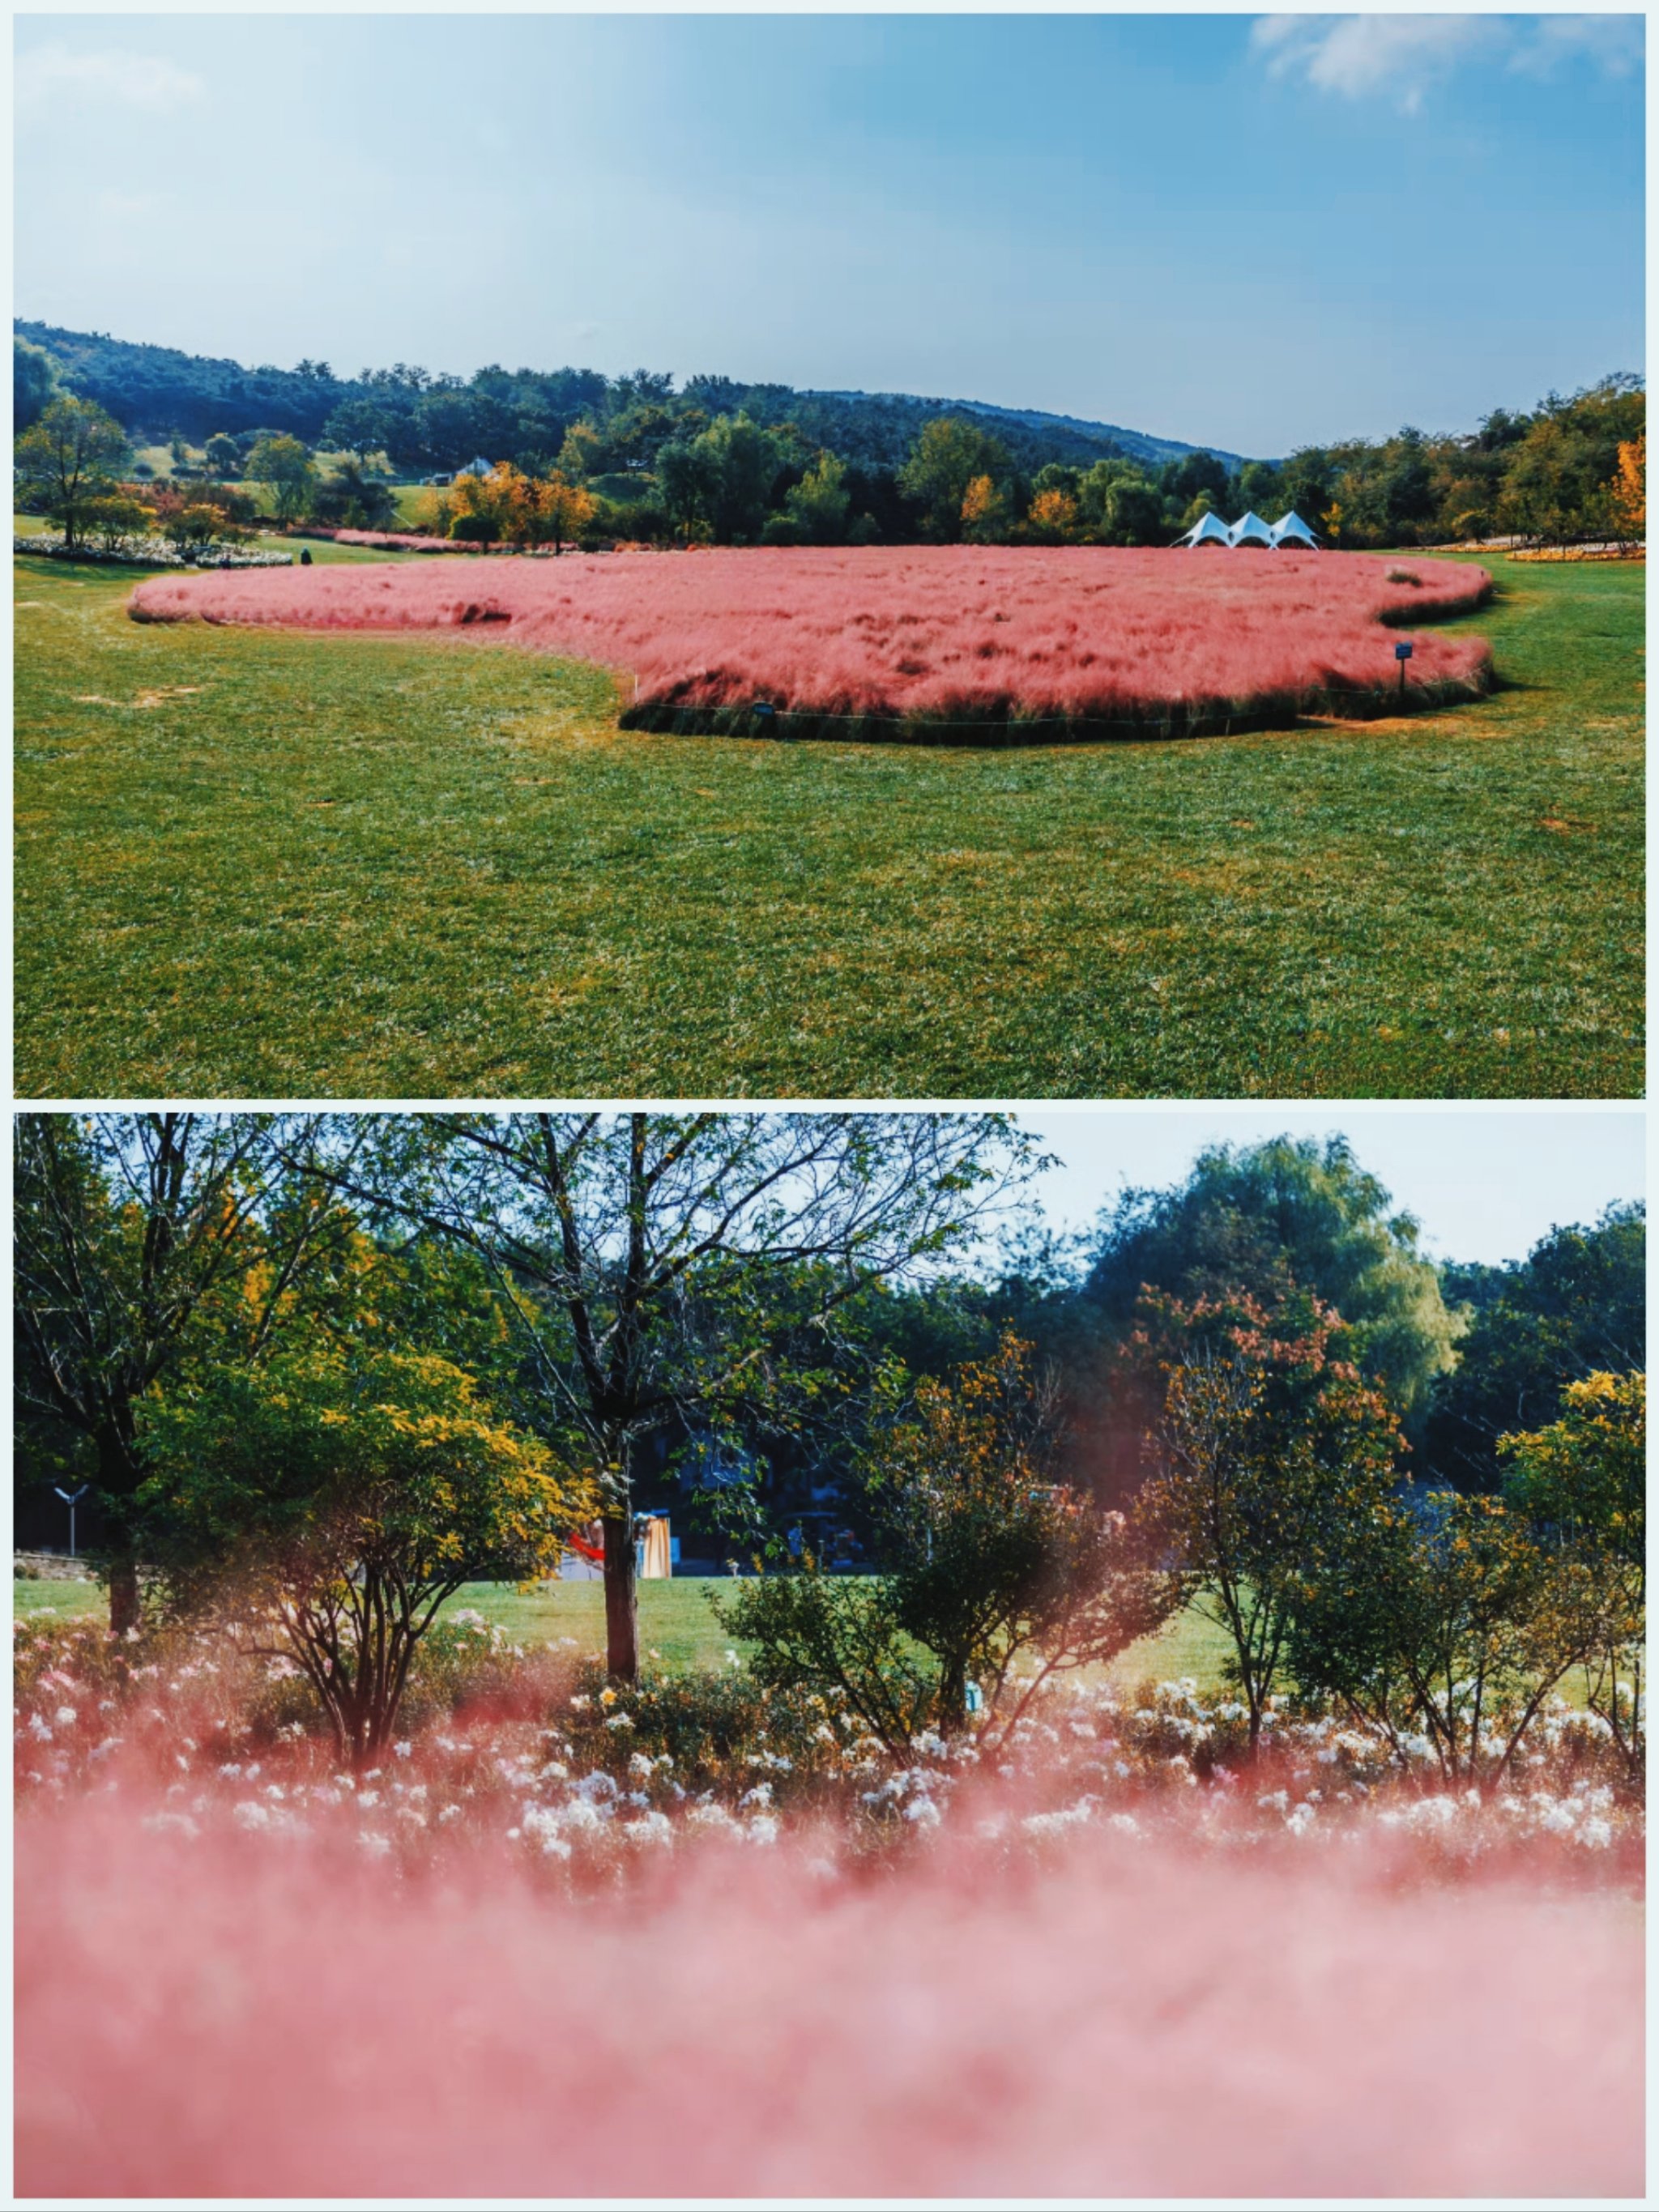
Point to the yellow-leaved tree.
(330, 1499)
(1629, 487)
(563, 510)
(1053, 516)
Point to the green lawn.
(676, 1622)
(252, 864)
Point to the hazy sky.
(1485, 1182)
(1245, 231)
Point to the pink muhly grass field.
(246, 2015)
(909, 640)
(402, 541)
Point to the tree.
(987, 1561)
(1451, 1618)
(114, 519)
(1267, 1445)
(583, 454)
(283, 462)
(664, 1268)
(137, 1238)
(224, 455)
(351, 495)
(1629, 501)
(1582, 1481)
(1191, 476)
(948, 454)
(1254, 1222)
(70, 456)
(361, 426)
(562, 510)
(33, 383)
(335, 1497)
(1575, 1306)
(1052, 516)
(1134, 515)
(988, 512)
(818, 504)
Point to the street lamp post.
(69, 1498)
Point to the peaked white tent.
(1251, 530)
(1208, 530)
(1291, 527)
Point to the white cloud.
(1616, 41)
(1402, 56)
(54, 73)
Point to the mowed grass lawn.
(264, 864)
(678, 1628)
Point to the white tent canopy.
(1250, 530)
(1294, 527)
(1208, 530)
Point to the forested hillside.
(439, 422)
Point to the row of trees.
(74, 465)
(739, 463)
(1272, 1507)
(321, 1369)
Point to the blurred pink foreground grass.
(1089, 636)
(704, 1938)
(232, 2017)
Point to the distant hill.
(1090, 438)
(161, 389)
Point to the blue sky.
(1486, 1182)
(1249, 232)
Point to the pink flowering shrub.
(915, 640)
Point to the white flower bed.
(150, 553)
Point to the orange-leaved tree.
(1629, 488)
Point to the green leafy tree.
(1575, 1306)
(1134, 513)
(1453, 1620)
(818, 504)
(948, 455)
(70, 456)
(988, 1562)
(224, 455)
(1582, 1481)
(283, 464)
(1267, 1444)
(117, 519)
(1256, 1222)
(141, 1242)
(333, 1498)
(663, 1270)
(33, 383)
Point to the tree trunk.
(118, 1478)
(123, 1594)
(621, 1620)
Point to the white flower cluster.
(139, 552)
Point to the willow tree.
(682, 1268)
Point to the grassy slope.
(676, 1622)
(367, 865)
